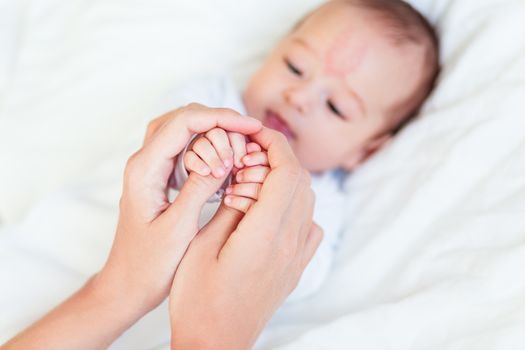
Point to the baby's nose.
(299, 97)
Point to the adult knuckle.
(192, 105)
(187, 113)
(132, 161)
(152, 125)
(133, 169)
(182, 112)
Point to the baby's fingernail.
(227, 163)
(246, 159)
(205, 171)
(228, 200)
(228, 190)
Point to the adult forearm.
(92, 318)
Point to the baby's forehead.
(345, 51)
(345, 31)
(340, 41)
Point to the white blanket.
(435, 232)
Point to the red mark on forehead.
(345, 54)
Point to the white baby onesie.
(329, 196)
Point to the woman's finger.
(170, 138)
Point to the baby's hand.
(215, 153)
(245, 191)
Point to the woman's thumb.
(217, 231)
(197, 190)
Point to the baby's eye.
(334, 109)
(293, 68)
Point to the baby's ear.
(368, 150)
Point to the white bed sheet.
(435, 239)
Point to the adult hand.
(237, 272)
(152, 236)
(152, 233)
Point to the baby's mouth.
(274, 121)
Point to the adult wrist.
(211, 332)
(126, 306)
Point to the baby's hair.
(407, 26)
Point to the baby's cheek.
(309, 155)
(326, 155)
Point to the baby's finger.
(240, 203)
(220, 141)
(255, 174)
(204, 149)
(238, 142)
(253, 147)
(249, 190)
(192, 162)
(256, 158)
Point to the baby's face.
(332, 87)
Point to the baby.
(339, 86)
